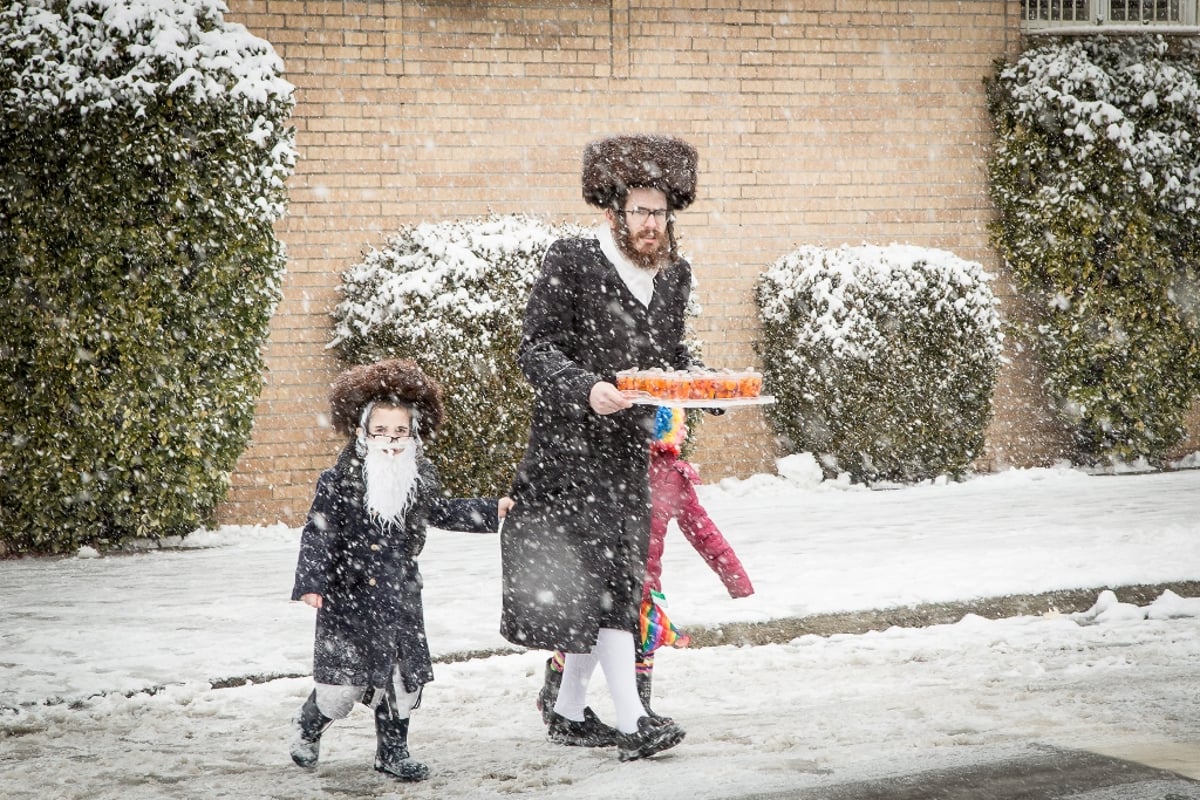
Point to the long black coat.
(574, 545)
(372, 616)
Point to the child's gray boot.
(391, 754)
(309, 725)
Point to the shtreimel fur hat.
(394, 380)
(613, 166)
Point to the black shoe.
(309, 725)
(653, 736)
(589, 733)
(644, 682)
(549, 691)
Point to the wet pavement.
(1140, 771)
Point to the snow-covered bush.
(144, 149)
(882, 359)
(452, 295)
(1096, 174)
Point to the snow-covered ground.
(107, 664)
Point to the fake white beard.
(391, 479)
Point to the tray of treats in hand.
(693, 388)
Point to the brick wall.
(818, 122)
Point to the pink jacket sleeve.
(664, 503)
(702, 532)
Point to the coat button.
(371, 582)
(374, 547)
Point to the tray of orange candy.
(693, 388)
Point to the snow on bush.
(1096, 175)
(146, 150)
(882, 359)
(452, 295)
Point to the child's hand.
(504, 506)
(739, 586)
(312, 599)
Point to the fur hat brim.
(395, 380)
(613, 166)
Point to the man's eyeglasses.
(402, 437)
(642, 215)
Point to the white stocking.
(405, 701)
(572, 693)
(335, 701)
(616, 653)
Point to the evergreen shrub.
(144, 153)
(1096, 174)
(882, 360)
(452, 296)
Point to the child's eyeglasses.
(403, 437)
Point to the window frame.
(1099, 20)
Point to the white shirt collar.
(639, 281)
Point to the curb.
(1064, 601)
(784, 630)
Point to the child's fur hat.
(614, 165)
(397, 380)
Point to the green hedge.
(452, 296)
(1096, 175)
(882, 359)
(145, 155)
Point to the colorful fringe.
(666, 424)
(657, 628)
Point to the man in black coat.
(574, 547)
(357, 564)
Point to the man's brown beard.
(651, 262)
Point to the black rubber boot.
(644, 683)
(391, 733)
(591, 732)
(310, 724)
(653, 736)
(548, 694)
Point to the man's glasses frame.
(642, 215)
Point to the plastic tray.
(642, 398)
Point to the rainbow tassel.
(657, 628)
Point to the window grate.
(1056, 10)
(1054, 13)
(1144, 11)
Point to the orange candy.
(749, 384)
(691, 384)
(702, 386)
(726, 387)
(655, 384)
(676, 385)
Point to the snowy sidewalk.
(84, 640)
(218, 609)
